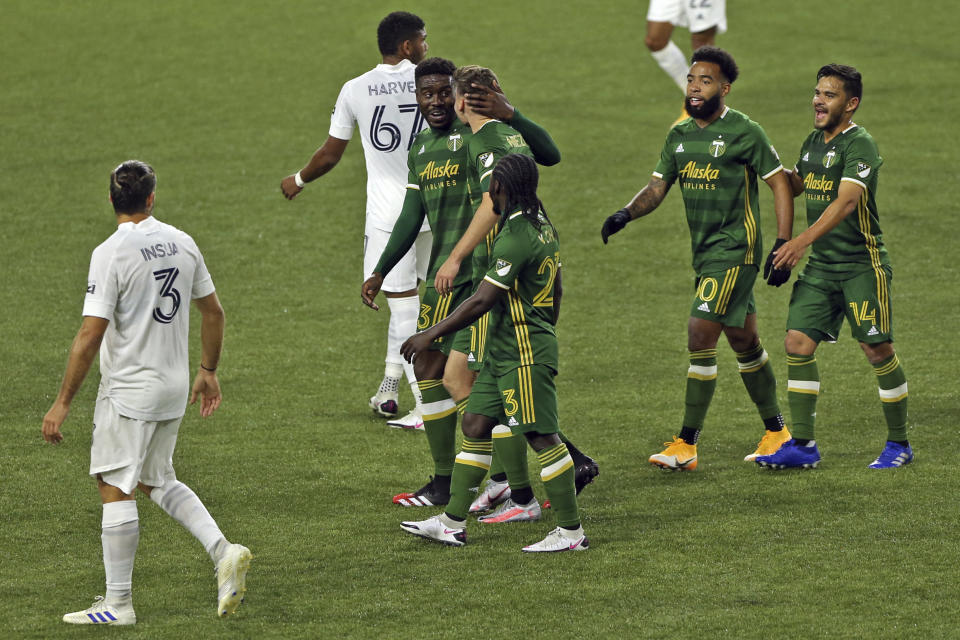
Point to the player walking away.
(848, 273)
(439, 190)
(516, 387)
(139, 278)
(716, 156)
(704, 18)
(383, 105)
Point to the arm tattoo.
(649, 198)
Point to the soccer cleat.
(769, 443)
(434, 529)
(561, 539)
(493, 493)
(791, 456)
(893, 455)
(678, 456)
(412, 421)
(510, 511)
(425, 496)
(102, 613)
(584, 473)
(232, 578)
(385, 404)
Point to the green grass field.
(226, 98)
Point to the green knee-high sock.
(758, 378)
(701, 383)
(803, 387)
(556, 471)
(440, 424)
(510, 451)
(472, 464)
(893, 394)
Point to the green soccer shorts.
(524, 399)
(434, 308)
(818, 306)
(726, 296)
(471, 341)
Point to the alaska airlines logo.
(433, 171)
(454, 142)
(691, 170)
(830, 158)
(813, 183)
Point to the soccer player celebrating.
(382, 104)
(521, 290)
(848, 273)
(139, 278)
(716, 156)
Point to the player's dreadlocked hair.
(719, 57)
(130, 185)
(472, 74)
(518, 176)
(852, 81)
(395, 29)
(434, 67)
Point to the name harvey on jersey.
(391, 88)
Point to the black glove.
(775, 277)
(614, 223)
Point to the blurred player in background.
(848, 274)
(140, 277)
(717, 155)
(521, 290)
(382, 104)
(704, 18)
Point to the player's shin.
(471, 465)
(701, 383)
(183, 505)
(803, 388)
(511, 452)
(440, 425)
(892, 383)
(120, 535)
(758, 377)
(557, 473)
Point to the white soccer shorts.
(409, 271)
(696, 15)
(126, 451)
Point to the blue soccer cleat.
(791, 456)
(893, 455)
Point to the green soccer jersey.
(717, 167)
(491, 142)
(438, 167)
(524, 262)
(856, 244)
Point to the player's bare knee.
(541, 441)
(658, 35)
(799, 343)
(477, 426)
(703, 38)
(877, 353)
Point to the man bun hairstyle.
(719, 57)
(130, 185)
(472, 74)
(434, 67)
(395, 29)
(852, 81)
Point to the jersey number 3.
(167, 276)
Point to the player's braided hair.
(434, 67)
(719, 57)
(130, 185)
(518, 176)
(472, 74)
(852, 81)
(395, 29)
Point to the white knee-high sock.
(120, 533)
(673, 63)
(183, 505)
(403, 324)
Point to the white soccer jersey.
(142, 279)
(383, 104)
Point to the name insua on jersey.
(391, 88)
(159, 250)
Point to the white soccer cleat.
(385, 404)
(561, 539)
(412, 421)
(435, 529)
(102, 613)
(232, 578)
(493, 493)
(510, 511)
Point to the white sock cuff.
(118, 513)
